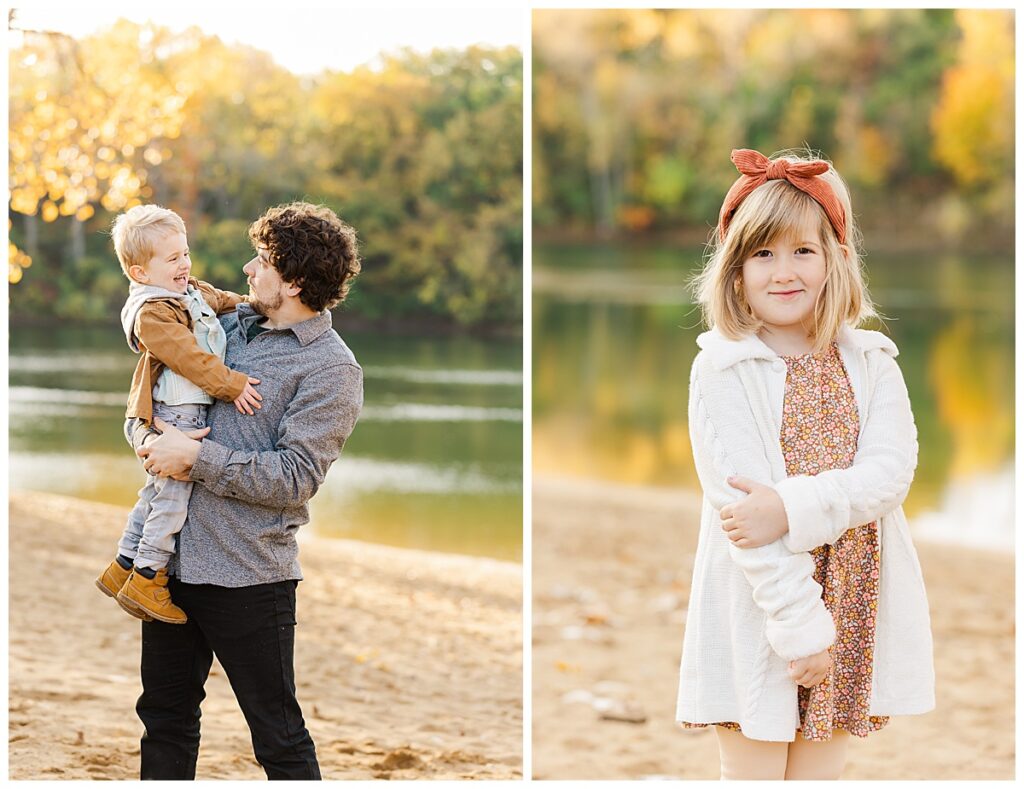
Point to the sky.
(303, 40)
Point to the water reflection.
(614, 337)
(435, 461)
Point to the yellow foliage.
(681, 38)
(988, 38)
(79, 113)
(762, 48)
(17, 260)
(973, 122)
(875, 155)
(646, 25)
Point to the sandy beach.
(408, 664)
(611, 580)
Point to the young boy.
(171, 319)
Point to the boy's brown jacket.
(163, 328)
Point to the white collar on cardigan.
(725, 352)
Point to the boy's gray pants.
(153, 525)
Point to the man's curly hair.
(311, 248)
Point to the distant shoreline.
(343, 321)
(309, 533)
(879, 241)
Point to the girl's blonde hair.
(770, 213)
(136, 229)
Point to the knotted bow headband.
(756, 169)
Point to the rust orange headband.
(756, 169)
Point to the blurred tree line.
(635, 113)
(422, 155)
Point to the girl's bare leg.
(745, 759)
(820, 761)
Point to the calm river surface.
(435, 461)
(614, 335)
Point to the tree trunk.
(598, 165)
(76, 242)
(31, 226)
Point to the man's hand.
(172, 454)
(249, 398)
(757, 519)
(809, 671)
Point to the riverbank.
(433, 326)
(611, 582)
(408, 663)
(910, 223)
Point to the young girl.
(808, 619)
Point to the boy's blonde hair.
(768, 214)
(135, 230)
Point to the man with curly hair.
(236, 567)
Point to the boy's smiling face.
(169, 266)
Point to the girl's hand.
(809, 671)
(757, 519)
(249, 398)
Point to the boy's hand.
(811, 670)
(249, 399)
(757, 519)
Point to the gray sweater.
(255, 474)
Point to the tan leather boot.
(112, 581)
(150, 596)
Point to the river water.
(614, 334)
(435, 461)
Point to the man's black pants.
(251, 630)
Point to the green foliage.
(428, 171)
(222, 248)
(636, 111)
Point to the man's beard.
(262, 306)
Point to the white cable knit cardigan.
(753, 610)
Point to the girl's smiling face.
(783, 279)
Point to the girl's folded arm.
(821, 508)
(725, 441)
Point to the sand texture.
(408, 664)
(611, 581)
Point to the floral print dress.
(820, 427)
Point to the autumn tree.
(422, 154)
(973, 121)
(87, 123)
(636, 111)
